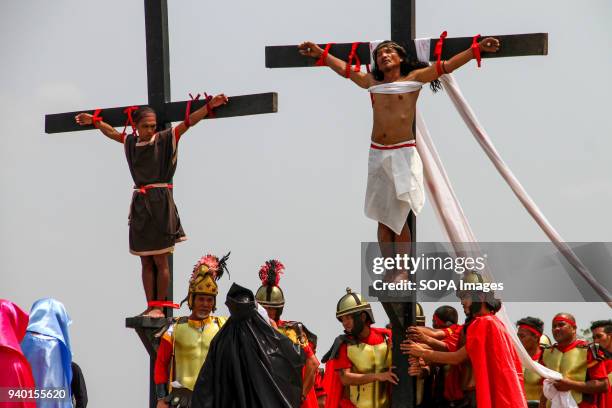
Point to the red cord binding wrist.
(209, 109)
(353, 56)
(438, 52)
(476, 49)
(321, 61)
(96, 118)
(187, 121)
(129, 121)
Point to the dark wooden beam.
(158, 54)
(403, 21)
(240, 105)
(514, 45)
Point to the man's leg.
(403, 244)
(163, 279)
(148, 279)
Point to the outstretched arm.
(84, 119)
(430, 73)
(312, 50)
(201, 113)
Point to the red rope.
(476, 49)
(188, 110)
(321, 61)
(144, 189)
(438, 52)
(353, 55)
(96, 117)
(128, 111)
(209, 109)
(163, 303)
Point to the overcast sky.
(288, 185)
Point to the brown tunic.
(154, 222)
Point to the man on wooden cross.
(395, 172)
(154, 222)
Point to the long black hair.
(408, 64)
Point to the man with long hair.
(497, 370)
(395, 172)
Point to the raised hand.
(310, 49)
(489, 44)
(83, 119)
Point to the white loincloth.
(395, 184)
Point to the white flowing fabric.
(458, 230)
(451, 216)
(558, 399)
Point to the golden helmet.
(471, 277)
(419, 315)
(351, 303)
(545, 340)
(206, 272)
(269, 293)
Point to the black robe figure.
(249, 363)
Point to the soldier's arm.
(349, 378)
(311, 367)
(431, 73)
(84, 119)
(588, 387)
(310, 49)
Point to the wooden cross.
(158, 85)
(403, 27)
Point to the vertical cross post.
(403, 31)
(158, 88)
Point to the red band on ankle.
(163, 303)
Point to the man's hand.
(564, 384)
(414, 349)
(388, 376)
(489, 44)
(310, 49)
(162, 404)
(414, 334)
(218, 100)
(83, 119)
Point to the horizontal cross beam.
(240, 105)
(514, 45)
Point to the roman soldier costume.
(369, 355)
(185, 342)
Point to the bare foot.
(155, 313)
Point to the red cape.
(496, 365)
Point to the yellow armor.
(191, 341)
(533, 385)
(368, 359)
(297, 337)
(571, 364)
